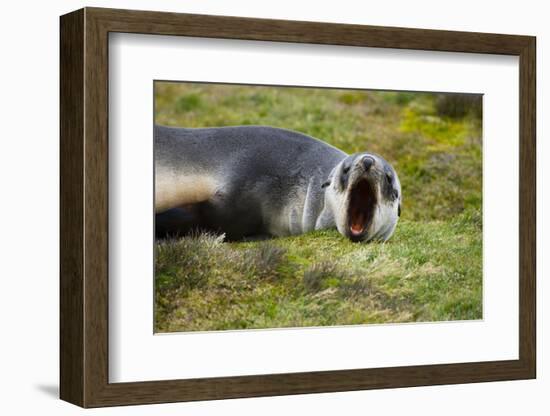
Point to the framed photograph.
(255, 207)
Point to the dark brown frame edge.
(84, 213)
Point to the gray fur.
(267, 181)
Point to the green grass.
(430, 270)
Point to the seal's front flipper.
(176, 222)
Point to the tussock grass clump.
(322, 276)
(182, 265)
(265, 259)
(202, 265)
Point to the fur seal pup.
(258, 181)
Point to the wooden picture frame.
(84, 207)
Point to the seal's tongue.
(357, 222)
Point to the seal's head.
(364, 193)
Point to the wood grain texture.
(527, 207)
(226, 27)
(84, 207)
(71, 185)
(96, 218)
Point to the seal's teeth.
(356, 231)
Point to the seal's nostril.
(368, 162)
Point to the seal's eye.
(389, 177)
(344, 176)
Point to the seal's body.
(250, 181)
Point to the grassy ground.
(430, 270)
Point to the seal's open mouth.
(362, 203)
